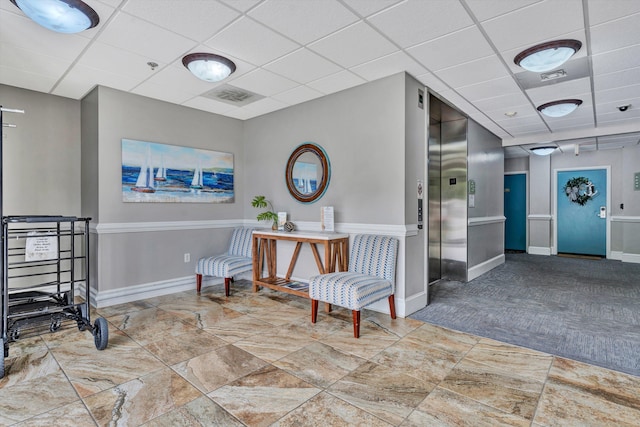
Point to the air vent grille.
(232, 95)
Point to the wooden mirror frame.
(323, 182)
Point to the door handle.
(603, 212)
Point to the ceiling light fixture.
(62, 16)
(543, 151)
(559, 108)
(547, 56)
(209, 67)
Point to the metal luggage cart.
(40, 279)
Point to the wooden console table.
(336, 247)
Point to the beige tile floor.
(255, 359)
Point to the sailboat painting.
(154, 172)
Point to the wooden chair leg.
(356, 323)
(392, 306)
(314, 310)
(198, 282)
(227, 285)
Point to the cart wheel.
(2, 359)
(101, 333)
(82, 312)
(55, 325)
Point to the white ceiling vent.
(571, 70)
(232, 95)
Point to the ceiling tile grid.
(292, 51)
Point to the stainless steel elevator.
(447, 172)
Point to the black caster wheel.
(101, 333)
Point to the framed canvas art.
(153, 172)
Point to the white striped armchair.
(370, 278)
(236, 260)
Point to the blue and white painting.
(153, 172)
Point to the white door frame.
(554, 202)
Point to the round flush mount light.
(543, 151)
(209, 67)
(62, 16)
(547, 56)
(559, 108)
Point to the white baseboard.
(615, 255)
(633, 258)
(413, 304)
(539, 250)
(149, 290)
(483, 267)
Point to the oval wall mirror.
(308, 173)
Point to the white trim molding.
(483, 267)
(632, 258)
(539, 250)
(483, 220)
(539, 217)
(145, 227)
(632, 219)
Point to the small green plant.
(261, 202)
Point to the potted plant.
(261, 202)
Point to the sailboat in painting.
(196, 182)
(144, 184)
(161, 175)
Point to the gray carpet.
(586, 310)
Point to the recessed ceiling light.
(62, 16)
(543, 151)
(559, 108)
(209, 67)
(547, 56)
(511, 113)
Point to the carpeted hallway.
(586, 310)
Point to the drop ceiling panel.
(579, 88)
(241, 5)
(453, 49)
(21, 32)
(81, 79)
(336, 82)
(388, 65)
(195, 19)
(503, 102)
(209, 105)
(302, 66)
(116, 61)
(135, 35)
(487, 9)
(489, 89)
(622, 95)
(602, 11)
(303, 21)
(615, 34)
(171, 94)
(413, 22)
(169, 75)
(22, 78)
(264, 82)
(252, 42)
(297, 95)
(533, 24)
(353, 45)
(484, 69)
(616, 80)
(616, 60)
(22, 60)
(365, 8)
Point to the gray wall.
(121, 254)
(41, 156)
(415, 169)
(362, 131)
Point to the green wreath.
(579, 190)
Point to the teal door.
(515, 210)
(582, 203)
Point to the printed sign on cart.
(40, 247)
